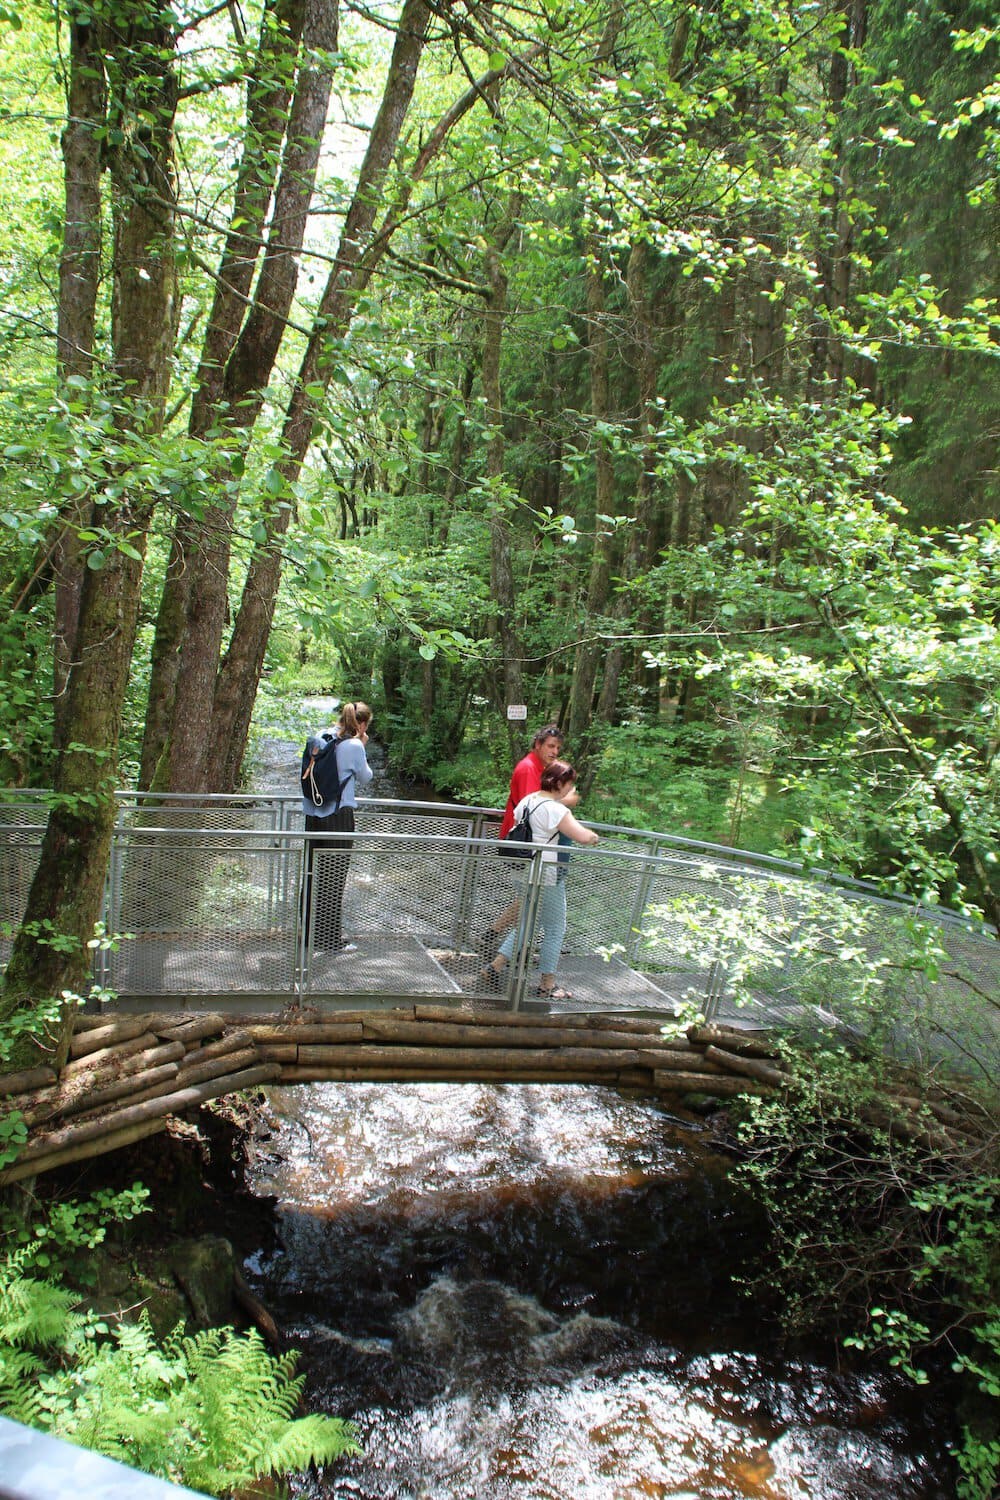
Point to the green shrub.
(214, 1410)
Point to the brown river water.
(529, 1291)
(533, 1292)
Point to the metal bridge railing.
(211, 895)
(37, 1466)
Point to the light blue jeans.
(551, 919)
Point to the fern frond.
(213, 1410)
(34, 1312)
(19, 1396)
(309, 1440)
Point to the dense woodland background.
(633, 361)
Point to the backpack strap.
(310, 788)
(529, 810)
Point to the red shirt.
(527, 778)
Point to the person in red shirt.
(526, 778)
(527, 774)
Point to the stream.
(532, 1291)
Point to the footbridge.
(214, 976)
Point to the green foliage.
(13, 1135)
(25, 714)
(882, 1229)
(711, 782)
(60, 1241)
(28, 1024)
(959, 1254)
(214, 1410)
(891, 1239)
(896, 983)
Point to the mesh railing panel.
(418, 916)
(19, 853)
(203, 914)
(216, 908)
(222, 813)
(23, 809)
(776, 951)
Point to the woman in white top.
(550, 816)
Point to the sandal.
(555, 993)
(490, 978)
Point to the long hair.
(352, 717)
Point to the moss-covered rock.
(190, 1281)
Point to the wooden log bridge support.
(126, 1078)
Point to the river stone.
(189, 1282)
(204, 1270)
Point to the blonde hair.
(352, 717)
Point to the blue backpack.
(321, 779)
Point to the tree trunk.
(50, 954)
(246, 377)
(501, 561)
(359, 254)
(643, 530)
(440, 535)
(268, 97)
(239, 675)
(834, 261)
(589, 650)
(79, 279)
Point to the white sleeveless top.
(546, 815)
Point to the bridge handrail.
(39, 1466)
(726, 854)
(227, 907)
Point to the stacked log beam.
(126, 1078)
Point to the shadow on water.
(533, 1291)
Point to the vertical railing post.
(468, 879)
(639, 905)
(274, 867)
(300, 977)
(527, 921)
(112, 895)
(714, 989)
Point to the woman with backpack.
(552, 823)
(334, 765)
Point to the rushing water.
(528, 1291)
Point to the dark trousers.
(327, 857)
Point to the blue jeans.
(551, 919)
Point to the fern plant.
(213, 1410)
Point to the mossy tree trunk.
(79, 282)
(207, 541)
(50, 955)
